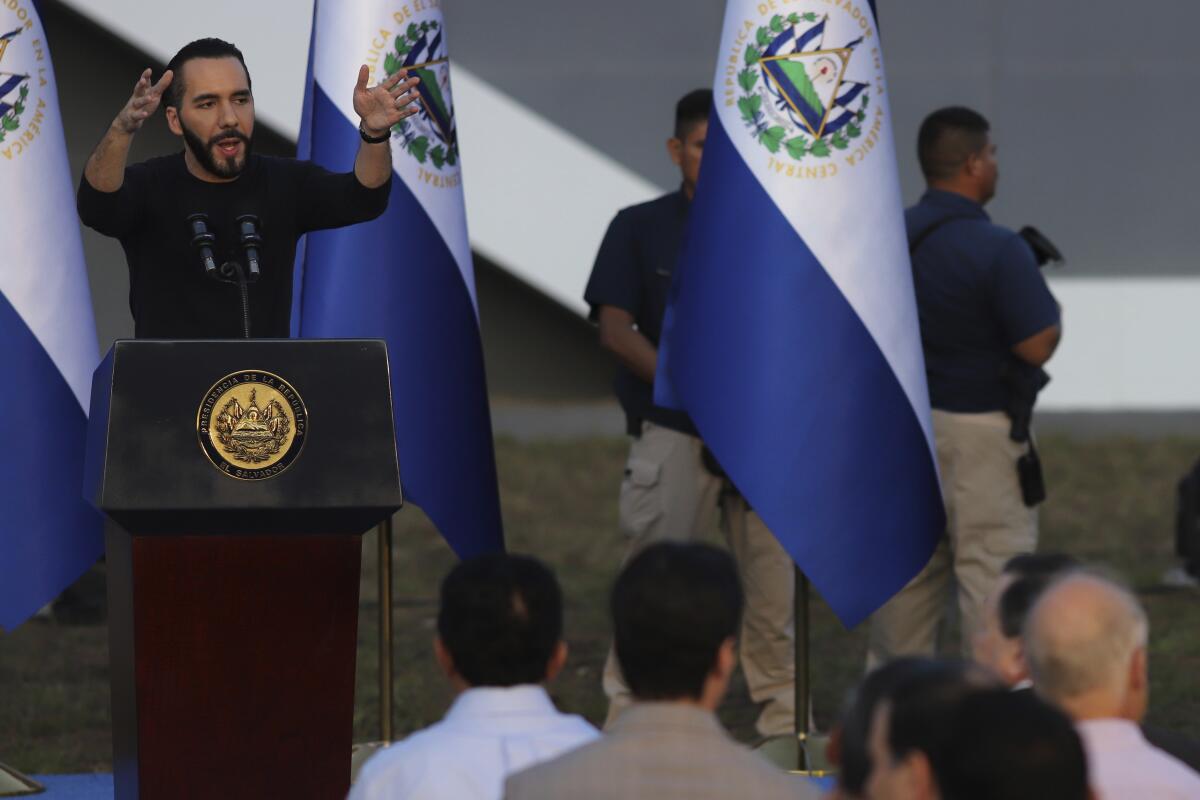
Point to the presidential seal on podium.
(252, 425)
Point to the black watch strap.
(369, 139)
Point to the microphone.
(203, 241)
(250, 241)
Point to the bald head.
(1085, 642)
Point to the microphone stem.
(245, 291)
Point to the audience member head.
(912, 725)
(1085, 641)
(849, 744)
(1011, 746)
(686, 146)
(956, 153)
(676, 609)
(997, 643)
(500, 623)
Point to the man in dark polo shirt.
(985, 311)
(668, 492)
(210, 105)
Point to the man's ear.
(973, 165)
(173, 120)
(1017, 665)
(558, 659)
(1139, 670)
(726, 658)
(444, 660)
(920, 772)
(675, 150)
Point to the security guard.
(668, 492)
(986, 314)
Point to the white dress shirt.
(1122, 765)
(487, 734)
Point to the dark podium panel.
(234, 545)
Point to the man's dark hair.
(201, 48)
(854, 759)
(1011, 746)
(692, 109)
(947, 138)
(1032, 574)
(673, 606)
(500, 619)
(923, 706)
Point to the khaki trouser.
(987, 523)
(668, 495)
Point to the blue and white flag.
(791, 335)
(406, 277)
(48, 534)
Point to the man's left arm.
(380, 107)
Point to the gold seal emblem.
(252, 425)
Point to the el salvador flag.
(49, 535)
(406, 277)
(791, 334)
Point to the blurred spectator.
(997, 643)
(848, 741)
(911, 728)
(499, 636)
(1085, 642)
(1011, 746)
(675, 609)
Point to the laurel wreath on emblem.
(251, 435)
(12, 120)
(774, 137)
(418, 145)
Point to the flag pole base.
(14, 784)
(788, 750)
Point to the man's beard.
(203, 152)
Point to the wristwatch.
(369, 139)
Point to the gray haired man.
(1086, 644)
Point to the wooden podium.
(237, 478)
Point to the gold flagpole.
(803, 761)
(385, 631)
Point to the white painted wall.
(539, 199)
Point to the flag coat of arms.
(408, 276)
(791, 333)
(48, 533)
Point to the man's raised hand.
(144, 102)
(383, 105)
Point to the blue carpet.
(100, 787)
(75, 787)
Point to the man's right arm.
(620, 336)
(105, 169)
(1037, 349)
(1029, 315)
(614, 292)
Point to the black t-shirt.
(633, 272)
(169, 294)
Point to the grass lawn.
(1111, 502)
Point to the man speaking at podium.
(210, 233)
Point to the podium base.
(232, 665)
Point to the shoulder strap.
(915, 243)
